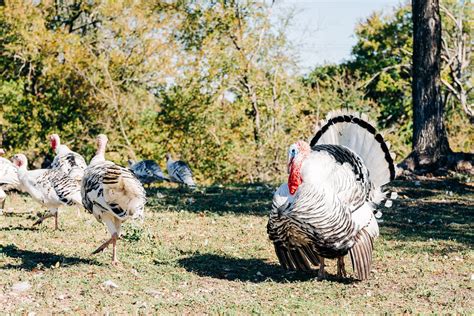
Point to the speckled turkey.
(327, 209)
(50, 187)
(112, 194)
(147, 171)
(67, 160)
(179, 172)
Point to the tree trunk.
(430, 140)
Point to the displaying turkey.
(147, 171)
(326, 210)
(112, 194)
(67, 160)
(8, 179)
(179, 172)
(50, 187)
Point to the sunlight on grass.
(208, 251)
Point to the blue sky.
(323, 31)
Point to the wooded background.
(215, 82)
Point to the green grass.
(208, 252)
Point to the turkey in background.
(179, 172)
(147, 171)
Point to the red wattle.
(294, 179)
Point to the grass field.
(208, 252)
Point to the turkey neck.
(22, 170)
(295, 178)
(62, 150)
(25, 186)
(100, 153)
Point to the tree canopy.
(381, 63)
(215, 82)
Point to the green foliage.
(381, 64)
(214, 82)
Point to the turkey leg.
(41, 219)
(102, 247)
(321, 272)
(114, 249)
(341, 268)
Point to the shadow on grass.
(428, 188)
(36, 259)
(21, 228)
(246, 270)
(433, 209)
(248, 199)
(16, 214)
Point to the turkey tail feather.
(361, 255)
(353, 131)
(284, 257)
(311, 255)
(299, 259)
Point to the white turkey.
(147, 171)
(326, 210)
(179, 172)
(112, 194)
(50, 187)
(67, 160)
(8, 178)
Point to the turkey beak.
(15, 161)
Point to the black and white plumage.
(67, 160)
(8, 178)
(111, 193)
(50, 187)
(326, 210)
(179, 171)
(147, 171)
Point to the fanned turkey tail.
(354, 131)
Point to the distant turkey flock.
(327, 209)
